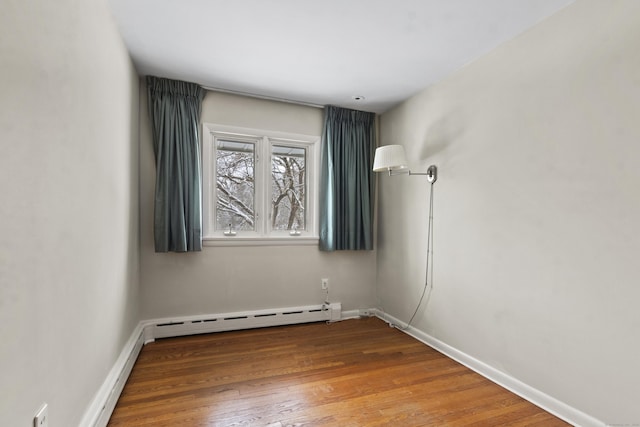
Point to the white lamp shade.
(389, 157)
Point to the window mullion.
(266, 182)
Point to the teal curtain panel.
(174, 108)
(346, 180)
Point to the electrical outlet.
(42, 417)
(324, 283)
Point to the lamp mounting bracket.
(431, 173)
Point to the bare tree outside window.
(235, 184)
(288, 188)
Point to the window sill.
(260, 241)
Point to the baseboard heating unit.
(164, 328)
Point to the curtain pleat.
(174, 107)
(346, 181)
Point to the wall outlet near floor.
(42, 417)
(324, 283)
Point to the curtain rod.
(265, 97)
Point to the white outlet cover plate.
(42, 417)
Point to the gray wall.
(536, 209)
(69, 188)
(228, 279)
(536, 212)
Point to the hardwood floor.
(352, 373)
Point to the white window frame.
(263, 234)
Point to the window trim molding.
(260, 241)
(263, 234)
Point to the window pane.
(235, 185)
(288, 188)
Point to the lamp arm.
(431, 173)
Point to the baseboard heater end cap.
(336, 311)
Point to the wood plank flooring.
(352, 373)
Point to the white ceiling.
(320, 51)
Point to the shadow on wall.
(441, 134)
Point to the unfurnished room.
(319, 213)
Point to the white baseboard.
(103, 403)
(535, 396)
(351, 314)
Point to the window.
(259, 186)
(235, 185)
(288, 187)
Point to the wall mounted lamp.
(392, 159)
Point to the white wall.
(69, 210)
(228, 279)
(537, 209)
